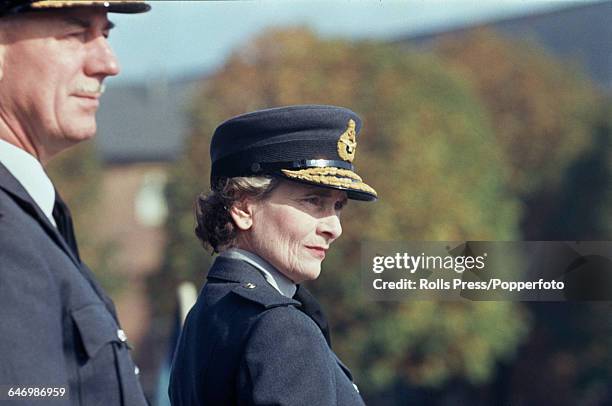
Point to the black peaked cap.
(9, 7)
(314, 144)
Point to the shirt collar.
(280, 282)
(32, 176)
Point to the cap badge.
(347, 144)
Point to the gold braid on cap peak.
(60, 3)
(326, 171)
(328, 176)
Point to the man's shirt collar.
(280, 282)
(32, 176)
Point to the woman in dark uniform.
(280, 179)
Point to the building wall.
(133, 213)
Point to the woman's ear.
(2, 52)
(4, 27)
(242, 214)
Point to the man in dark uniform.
(280, 178)
(60, 340)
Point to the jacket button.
(121, 335)
(136, 371)
(250, 286)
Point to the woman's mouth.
(317, 252)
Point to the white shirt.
(280, 282)
(32, 176)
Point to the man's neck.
(10, 135)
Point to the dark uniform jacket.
(57, 327)
(246, 344)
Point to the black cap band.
(230, 166)
(312, 144)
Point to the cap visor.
(113, 6)
(334, 178)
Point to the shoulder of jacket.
(280, 324)
(264, 295)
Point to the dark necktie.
(63, 221)
(313, 309)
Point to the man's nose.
(101, 60)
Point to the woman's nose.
(330, 226)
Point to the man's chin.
(82, 132)
(67, 139)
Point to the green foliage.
(428, 148)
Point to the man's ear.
(242, 214)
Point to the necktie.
(313, 309)
(63, 220)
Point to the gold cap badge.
(347, 144)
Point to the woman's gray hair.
(215, 227)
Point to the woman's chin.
(311, 271)
(306, 269)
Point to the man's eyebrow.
(71, 20)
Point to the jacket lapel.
(312, 308)
(13, 188)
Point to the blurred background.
(481, 122)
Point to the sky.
(179, 38)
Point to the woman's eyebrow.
(318, 191)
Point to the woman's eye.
(312, 200)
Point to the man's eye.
(80, 35)
(340, 205)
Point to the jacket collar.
(12, 187)
(31, 174)
(273, 276)
(250, 283)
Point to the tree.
(541, 108)
(549, 121)
(570, 342)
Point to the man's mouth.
(93, 91)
